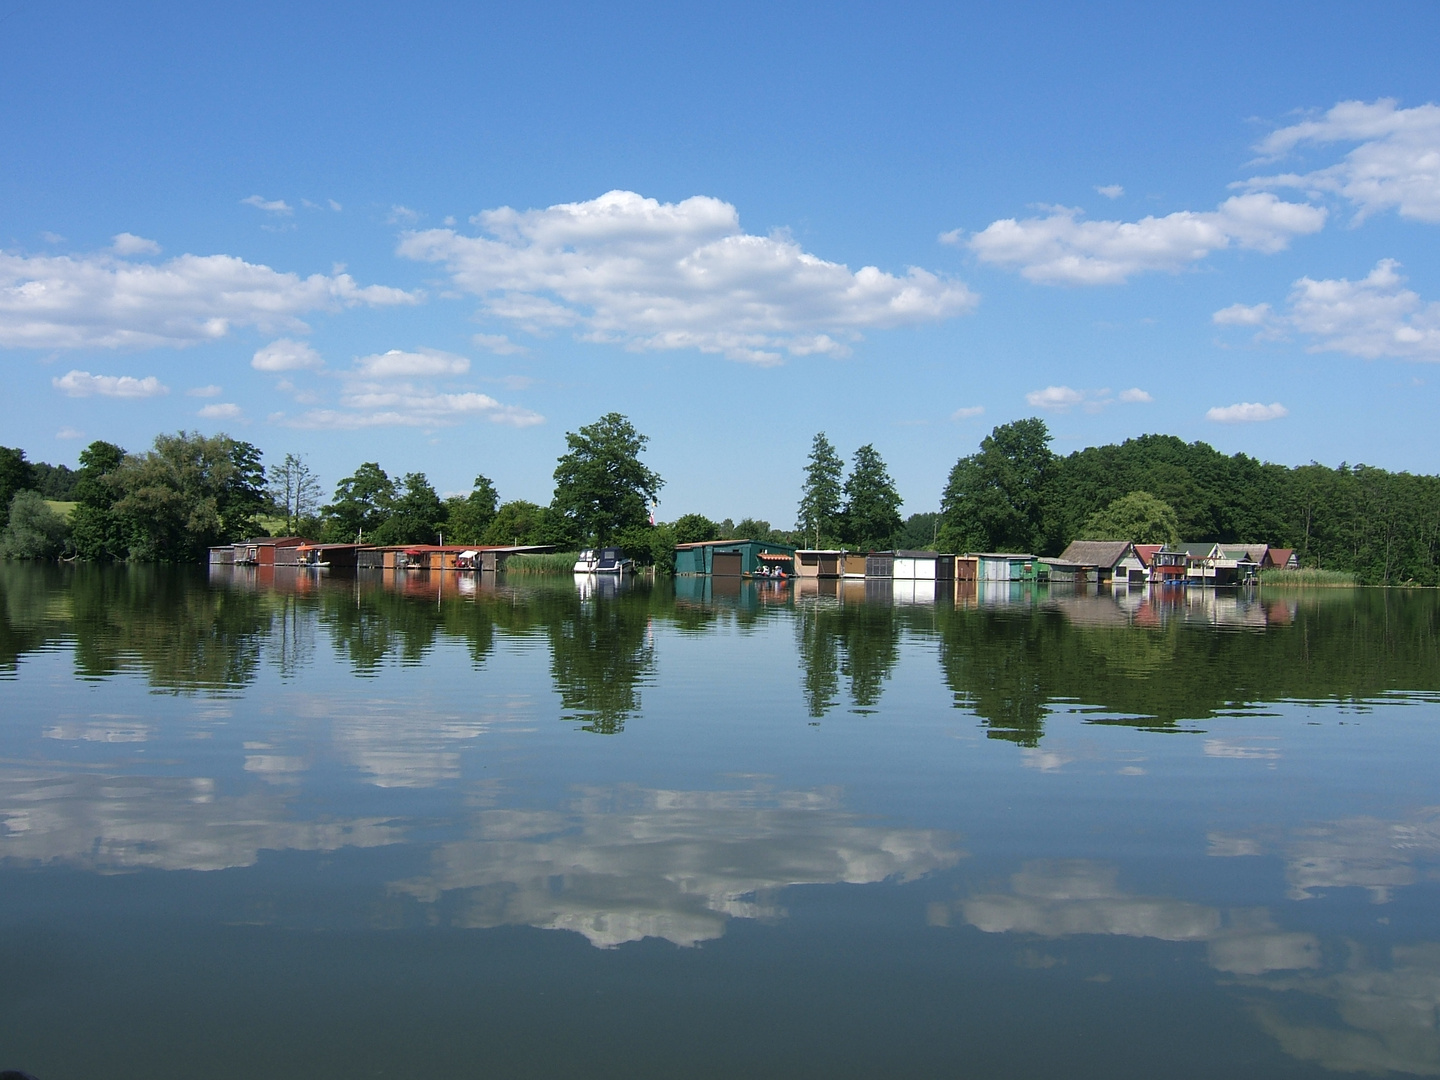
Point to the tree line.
(189, 492)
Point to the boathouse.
(1112, 560)
(1007, 566)
(725, 558)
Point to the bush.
(35, 530)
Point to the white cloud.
(69, 433)
(969, 412)
(1395, 166)
(1135, 396)
(1061, 249)
(649, 275)
(83, 384)
(204, 391)
(1111, 191)
(1373, 317)
(1246, 412)
(373, 405)
(335, 205)
(1242, 315)
(402, 215)
(399, 364)
(1064, 398)
(272, 206)
(499, 344)
(286, 355)
(220, 411)
(129, 244)
(99, 300)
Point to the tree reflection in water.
(1143, 660)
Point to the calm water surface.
(429, 828)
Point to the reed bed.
(555, 562)
(1307, 577)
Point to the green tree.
(1139, 517)
(872, 505)
(517, 522)
(919, 532)
(34, 530)
(755, 529)
(363, 500)
(95, 530)
(416, 514)
(819, 516)
(694, 529)
(16, 474)
(469, 516)
(189, 492)
(295, 491)
(601, 486)
(995, 500)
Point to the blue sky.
(441, 237)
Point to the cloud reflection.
(624, 864)
(121, 823)
(1078, 896)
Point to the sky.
(440, 236)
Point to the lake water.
(431, 828)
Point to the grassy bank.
(1308, 577)
(556, 562)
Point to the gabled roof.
(1146, 552)
(1106, 553)
(1280, 556)
(1198, 551)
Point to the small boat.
(610, 560)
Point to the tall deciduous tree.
(16, 474)
(1139, 517)
(995, 500)
(295, 490)
(34, 531)
(468, 516)
(819, 516)
(872, 505)
(95, 530)
(363, 500)
(416, 515)
(189, 492)
(601, 486)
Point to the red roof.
(1146, 552)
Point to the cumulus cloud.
(203, 391)
(1242, 315)
(969, 412)
(409, 406)
(499, 344)
(1062, 249)
(69, 433)
(381, 391)
(270, 206)
(1111, 191)
(628, 270)
(102, 301)
(1246, 412)
(83, 384)
(399, 364)
(129, 244)
(1395, 166)
(219, 411)
(286, 355)
(1064, 398)
(1373, 317)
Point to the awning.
(467, 554)
(774, 556)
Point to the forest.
(188, 491)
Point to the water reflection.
(622, 864)
(1012, 657)
(110, 823)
